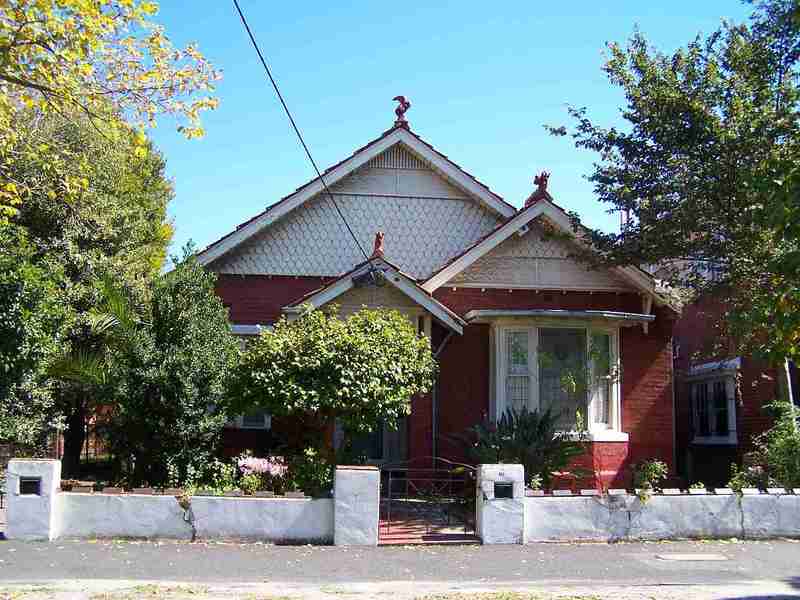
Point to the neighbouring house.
(510, 315)
(720, 395)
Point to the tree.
(166, 392)
(29, 314)
(104, 59)
(114, 225)
(711, 137)
(358, 370)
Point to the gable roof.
(541, 205)
(392, 276)
(440, 163)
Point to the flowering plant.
(274, 466)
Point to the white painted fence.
(37, 509)
(44, 512)
(661, 517)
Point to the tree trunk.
(74, 437)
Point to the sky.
(483, 79)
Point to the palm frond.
(86, 367)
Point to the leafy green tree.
(103, 59)
(709, 142)
(360, 370)
(166, 384)
(115, 225)
(29, 314)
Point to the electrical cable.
(296, 129)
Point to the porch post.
(356, 504)
(500, 504)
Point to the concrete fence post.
(32, 488)
(356, 504)
(500, 504)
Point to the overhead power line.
(296, 129)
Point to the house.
(511, 315)
(720, 395)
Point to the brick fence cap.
(698, 491)
(617, 492)
(723, 491)
(561, 492)
(592, 492)
(776, 491)
(672, 492)
(750, 491)
(112, 490)
(146, 491)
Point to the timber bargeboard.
(537, 261)
(426, 222)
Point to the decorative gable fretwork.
(534, 260)
(426, 221)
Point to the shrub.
(250, 484)
(263, 474)
(311, 473)
(749, 476)
(167, 381)
(649, 474)
(218, 476)
(777, 450)
(530, 438)
(358, 370)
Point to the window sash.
(713, 409)
(600, 405)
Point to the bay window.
(571, 370)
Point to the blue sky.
(483, 78)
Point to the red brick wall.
(463, 390)
(420, 427)
(606, 464)
(647, 389)
(463, 383)
(462, 300)
(698, 337)
(258, 299)
(646, 375)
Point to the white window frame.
(238, 423)
(611, 431)
(709, 378)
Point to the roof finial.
(400, 111)
(377, 247)
(540, 181)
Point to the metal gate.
(427, 500)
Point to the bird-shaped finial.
(400, 111)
